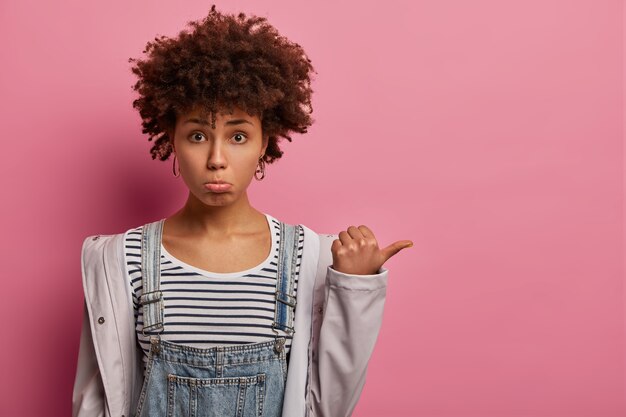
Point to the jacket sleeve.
(352, 316)
(88, 393)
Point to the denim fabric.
(247, 380)
(243, 380)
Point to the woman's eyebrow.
(230, 122)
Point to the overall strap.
(285, 280)
(151, 298)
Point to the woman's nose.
(217, 156)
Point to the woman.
(169, 328)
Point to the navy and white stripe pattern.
(206, 309)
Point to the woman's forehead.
(204, 113)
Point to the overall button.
(100, 320)
(154, 345)
(279, 346)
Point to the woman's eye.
(240, 135)
(196, 135)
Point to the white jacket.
(337, 321)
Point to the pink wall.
(488, 132)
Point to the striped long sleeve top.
(204, 308)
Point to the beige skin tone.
(222, 232)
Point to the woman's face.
(228, 153)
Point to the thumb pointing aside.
(394, 248)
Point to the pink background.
(488, 132)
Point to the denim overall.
(241, 380)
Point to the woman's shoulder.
(137, 229)
(100, 239)
(305, 228)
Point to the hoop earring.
(260, 169)
(174, 169)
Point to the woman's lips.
(221, 187)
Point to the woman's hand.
(357, 252)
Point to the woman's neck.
(196, 218)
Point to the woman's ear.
(170, 135)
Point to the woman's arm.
(347, 315)
(88, 393)
(346, 324)
(343, 338)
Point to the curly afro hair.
(225, 61)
